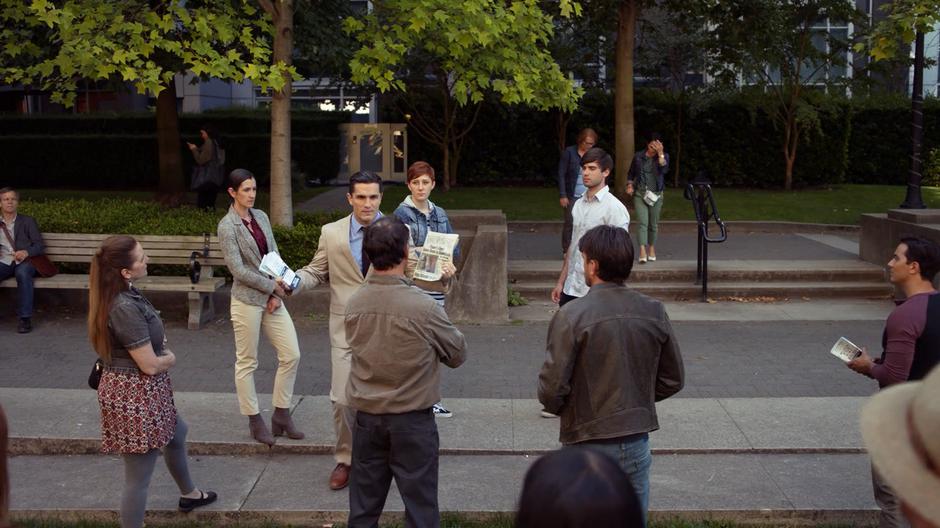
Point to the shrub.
(296, 245)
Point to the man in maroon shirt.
(911, 341)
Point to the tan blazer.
(334, 263)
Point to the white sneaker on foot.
(440, 411)
(546, 414)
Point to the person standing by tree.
(209, 157)
(646, 183)
(569, 179)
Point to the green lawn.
(841, 204)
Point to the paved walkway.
(749, 458)
(765, 429)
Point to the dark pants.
(206, 199)
(568, 226)
(403, 446)
(886, 499)
(565, 299)
(24, 272)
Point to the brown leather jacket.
(610, 356)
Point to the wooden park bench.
(182, 250)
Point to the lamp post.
(913, 199)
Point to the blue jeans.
(24, 272)
(633, 455)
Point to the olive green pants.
(647, 219)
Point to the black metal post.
(704, 271)
(913, 199)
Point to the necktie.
(364, 258)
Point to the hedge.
(130, 162)
(857, 141)
(296, 245)
(304, 123)
(860, 140)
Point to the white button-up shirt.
(6, 248)
(603, 209)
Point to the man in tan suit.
(340, 261)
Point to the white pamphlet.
(273, 265)
(845, 350)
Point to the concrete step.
(796, 489)
(732, 271)
(67, 421)
(671, 291)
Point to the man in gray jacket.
(20, 239)
(610, 356)
(399, 336)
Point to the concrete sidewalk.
(59, 421)
(745, 459)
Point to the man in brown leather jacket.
(610, 356)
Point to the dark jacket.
(27, 236)
(610, 356)
(636, 172)
(568, 167)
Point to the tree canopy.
(53, 45)
(467, 50)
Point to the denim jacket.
(636, 172)
(419, 224)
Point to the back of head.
(599, 156)
(612, 248)
(105, 282)
(386, 242)
(924, 252)
(364, 176)
(577, 487)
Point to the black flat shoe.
(188, 505)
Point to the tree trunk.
(282, 212)
(561, 129)
(445, 162)
(913, 198)
(172, 184)
(623, 95)
(677, 158)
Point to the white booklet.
(845, 350)
(438, 249)
(273, 265)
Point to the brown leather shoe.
(339, 478)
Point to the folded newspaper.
(438, 250)
(272, 265)
(845, 350)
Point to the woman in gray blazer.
(245, 235)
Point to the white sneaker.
(440, 411)
(643, 260)
(546, 414)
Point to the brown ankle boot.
(259, 431)
(281, 423)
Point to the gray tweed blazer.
(242, 257)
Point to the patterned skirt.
(137, 411)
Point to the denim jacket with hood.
(419, 223)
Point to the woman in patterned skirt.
(138, 416)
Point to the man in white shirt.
(596, 207)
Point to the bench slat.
(80, 282)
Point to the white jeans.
(248, 321)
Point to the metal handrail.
(699, 192)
